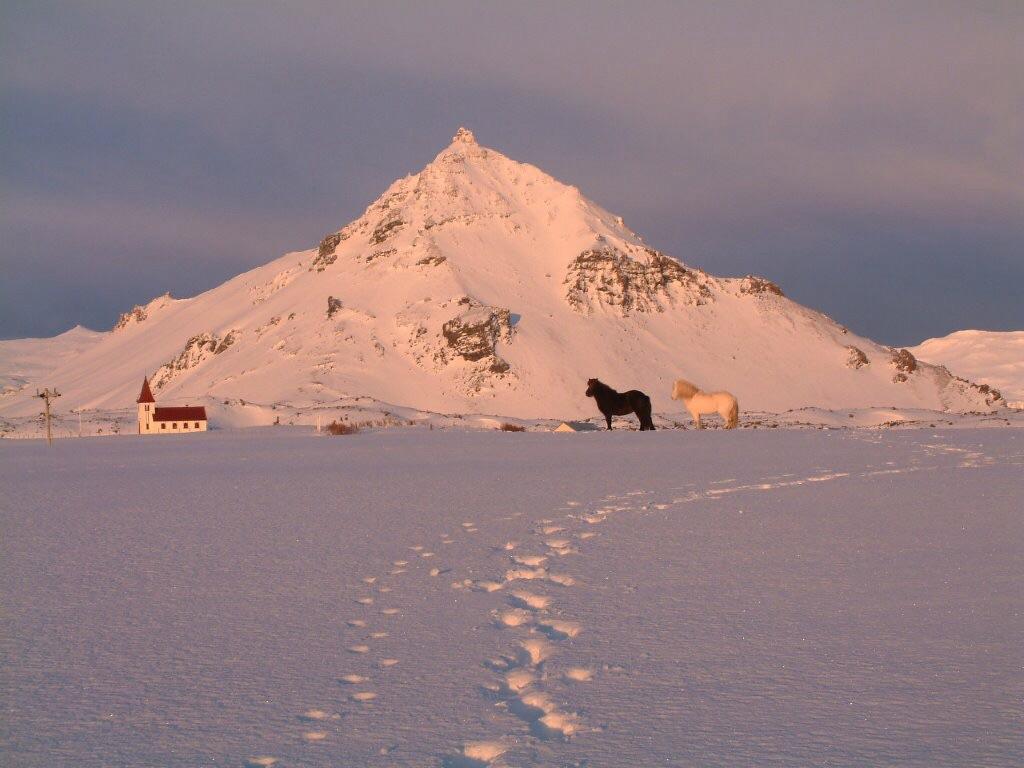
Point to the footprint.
(363, 696)
(529, 600)
(417, 548)
(400, 563)
(314, 735)
(531, 560)
(378, 635)
(384, 590)
(558, 543)
(359, 649)
(397, 571)
(525, 574)
(356, 623)
(468, 525)
(559, 629)
(487, 586)
(518, 680)
(314, 715)
(515, 617)
(547, 530)
(561, 579)
(261, 761)
(534, 651)
(352, 679)
(475, 754)
(426, 554)
(389, 611)
(365, 601)
(369, 579)
(531, 705)
(586, 535)
(556, 725)
(508, 546)
(578, 674)
(435, 571)
(385, 663)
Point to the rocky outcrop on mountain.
(333, 305)
(752, 285)
(649, 282)
(904, 363)
(197, 349)
(475, 332)
(141, 312)
(856, 359)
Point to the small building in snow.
(169, 420)
(576, 426)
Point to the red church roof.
(146, 395)
(180, 413)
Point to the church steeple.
(146, 403)
(146, 395)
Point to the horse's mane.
(684, 388)
(598, 384)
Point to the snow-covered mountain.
(995, 358)
(26, 361)
(484, 285)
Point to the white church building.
(172, 420)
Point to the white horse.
(697, 402)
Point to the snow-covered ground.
(427, 598)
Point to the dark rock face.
(857, 358)
(386, 229)
(904, 363)
(197, 349)
(474, 334)
(326, 253)
(137, 314)
(606, 275)
(333, 305)
(752, 284)
(475, 340)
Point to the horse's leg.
(696, 420)
(608, 418)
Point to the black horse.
(612, 403)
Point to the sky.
(868, 157)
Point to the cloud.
(732, 134)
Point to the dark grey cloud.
(867, 156)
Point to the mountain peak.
(463, 136)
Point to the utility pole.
(46, 394)
(79, 422)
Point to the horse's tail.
(734, 414)
(647, 412)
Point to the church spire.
(146, 395)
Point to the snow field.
(696, 578)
